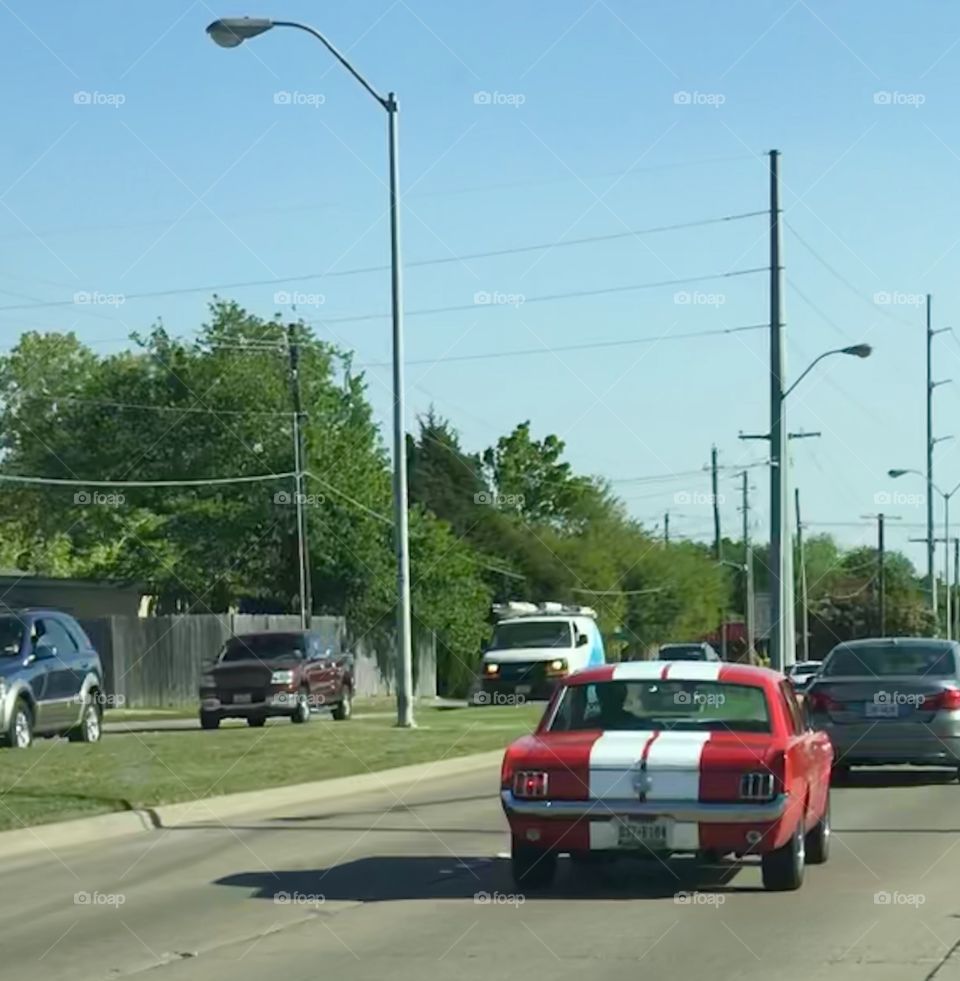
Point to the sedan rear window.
(682, 706)
(884, 660)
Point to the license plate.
(881, 710)
(524, 689)
(243, 699)
(642, 834)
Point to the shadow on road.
(879, 777)
(391, 878)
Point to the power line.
(843, 280)
(813, 306)
(439, 260)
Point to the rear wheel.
(209, 720)
(256, 721)
(818, 838)
(90, 728)
(782, 869)
(344, 708)
(532, 867)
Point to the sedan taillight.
(820, 701)
(530, 783)
(947, 700)
(758, 785)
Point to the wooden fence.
(156, 662)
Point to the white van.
(534, 647)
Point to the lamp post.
(230, 32)
(782, 639)
(946, 495)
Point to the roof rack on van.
(517, 609)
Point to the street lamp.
(946, 495)
(229, 32)
(782, 640)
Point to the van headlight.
(557, 666)
(281, 678)
(491, 668)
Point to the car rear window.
(889, 659)
(683, 706)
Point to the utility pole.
(804, 600)
(666, 529)
(931, 578)
(781, 585)
(303, 546)
(748, 603)
(714, 483)
(881, 589)
(956, 583)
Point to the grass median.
(56, 780)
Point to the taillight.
(820, 701)
(947, 700)
(530, 783)
(758, 785)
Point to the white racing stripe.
(694, 670)
(614, 760)
(638, 670)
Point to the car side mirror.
(582, 640)
(43, 650)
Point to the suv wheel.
(301, 712)
(344, 708)
(90, 728)
(19, 733)
(209, 720)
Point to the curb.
(212, 811)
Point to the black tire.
(344, 708)
(301, 713)
(532, 867)
(818, 838)
(782, 869)
(840, 773)
(256, 721)
(90, 728)
(209, 720)
(19, 734)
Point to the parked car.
(889, 701)
(51, 679)
(698, 651)
(801, 674)
(266, 674)
(652, 759)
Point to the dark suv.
(51, 679)
(267, 674)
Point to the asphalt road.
(391, 885)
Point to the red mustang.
(656, 758)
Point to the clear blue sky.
(201, 177)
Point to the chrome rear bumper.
(680, 810)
